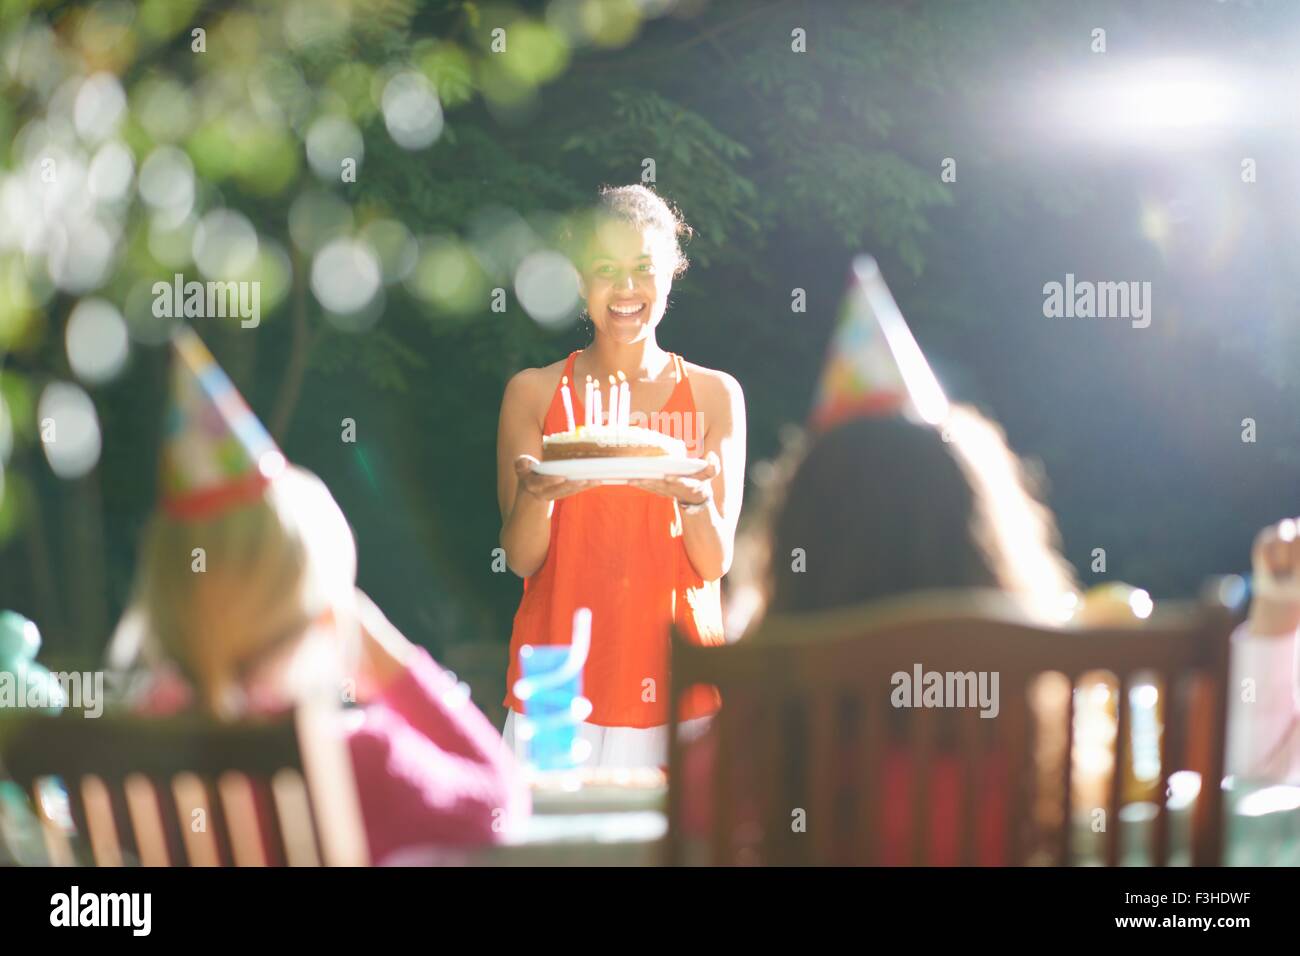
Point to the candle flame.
(621, 376)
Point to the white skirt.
(618, 747)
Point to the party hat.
(216, 454)
(873, 365)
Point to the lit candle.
(568, 402)
(587, 405)
(613, 400)
(624, 402)
(596, 410)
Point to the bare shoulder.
(718, 389)
(534, 385)
(528, 396)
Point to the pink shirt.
(430, 768)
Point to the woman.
(644, 556)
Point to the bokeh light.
(79, 257)
(536, 52)
(6, 431)
(274, 271)
(547, 286)
(311, 22)
(69, 429)
(396, 248)
(501, 238)
(345, 276)
(225, 245)
(330, 140)
(104, 36)
(316, 218)
(1141, 604)
(164, 108)
(350, 83)
(448, 277)
(412, 112)
(39, 61)
(96, 341)
(279, 94)
(167, 182)
(170, 241)
(610, 23)
(1280, 798)
(17, 303)
(110, 172)
(99, 108)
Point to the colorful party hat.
(216, 454)
(873, 365)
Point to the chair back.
(815, 706)
(186, 790)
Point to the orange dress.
(619, 551)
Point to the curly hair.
(644, 208)
(886, 507)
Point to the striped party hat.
(216, 454)
(873, 365)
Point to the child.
(901, 493)
(246, 587)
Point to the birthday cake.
(611, 441)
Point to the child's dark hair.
(887, 507)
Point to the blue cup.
(551, 692)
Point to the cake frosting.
(611, 441)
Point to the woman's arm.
(526, 499)
(709, 531)
(1263, 711)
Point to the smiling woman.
(642, 556)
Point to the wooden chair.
(182, 791)
(824, 683)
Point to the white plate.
(617, 471)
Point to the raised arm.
(430, 766)
(1264, 695)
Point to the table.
(603, 825)
(609, 826)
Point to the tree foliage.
(786, 163)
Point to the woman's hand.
(692, 489)
(1276, 561)
(546, 487)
